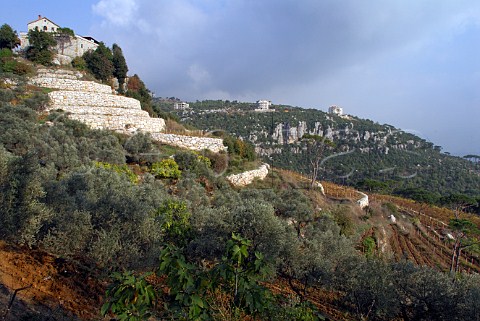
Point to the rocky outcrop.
(246, 178)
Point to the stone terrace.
(96, 105)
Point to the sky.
(414, 64)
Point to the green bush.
(120, 169)
(130, 297)
(166, 168)
(8, 65)
(369, 246)
(79, 63)
(5, 53)
(22, 68)
(38, 101)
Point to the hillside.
(100, 219)
(363, 149)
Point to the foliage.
(369, 246)
(175, 217)
(38, 101)
(79, 63)
(210, 234)
(8, 37)
(9, 64)
(187, 283)
(166, 168)
(120, 169)
(141, 149)
(99, 62)
(120, 67)
(342, 217)
(63, 36)
(372, 185)
(458, 202)
(187, 160)
(66, 31)
(237, 275)
(129, 297)
(239, 147)
(136, 89)
(41, 44)
(240, 275)
(419, 195)
(6, 53)
(292, 309)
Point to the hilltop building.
(263, 105)
(67, 50)
(335, 110)
(181, 105)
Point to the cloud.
(262, 44)
(116, 12)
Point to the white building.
(263, 104)
(181, 105)
(74, 47)
(43, 24)
(335, 110)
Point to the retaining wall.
(246, 178)
(95, 105)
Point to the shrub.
(5, 53)
(130, 297)
(6, 95)
(38, 101)
(8, 65)
(204, 160)
(120, 169)
(166, 168)
(219, 161)
(186, 160)
(22, 68)
(369, 246)
(79, 63)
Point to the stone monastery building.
(75, 47)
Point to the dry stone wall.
(95, 105)
(190, 142)
(70, 84)
(246, 178)
(93, 99)
(363, 201)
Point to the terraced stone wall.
(95, 105)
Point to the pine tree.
(120, 67)
(99, 62)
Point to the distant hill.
(364, 149)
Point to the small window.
(53, 28)
(45, 28)
(81, 46)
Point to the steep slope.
(363, 149)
